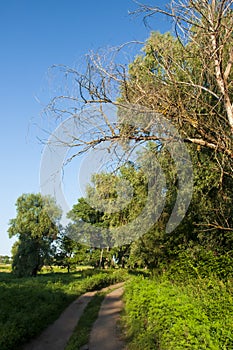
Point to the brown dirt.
(105, 334)
(56, 336)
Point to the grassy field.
(5, 267)
(28, 305)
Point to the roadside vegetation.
(29, 305)
(177, 310)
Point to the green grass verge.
(82, 331)
(196, 315)
(28, 305)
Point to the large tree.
(162, 79)
(185, 78)
(36, 228)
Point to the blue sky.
(34, 35)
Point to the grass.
(161, 313)
(60, 269)
(165, 315)
(5, 268)
(28, 305)
(82, 331)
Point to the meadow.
(28, 305)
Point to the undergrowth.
(194, 314)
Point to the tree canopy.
(179, 87)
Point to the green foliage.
(168, 79)
(199, 262)
(197, 314)
(69, 253)
(105, 278)
(30, 305)
(107, 206)
(36, 228)
(4, 259)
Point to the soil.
(104, 333)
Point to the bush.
(198, 262)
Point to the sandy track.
(105, 334)
(56, 336)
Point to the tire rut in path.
(56, 336)
(105, 333)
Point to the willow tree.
(187, 79)
(36, 228)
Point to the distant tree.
(4, 259)
(107, 207)
(69, 252)
(36, 228)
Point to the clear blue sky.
(33, 36)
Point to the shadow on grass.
(27, 306)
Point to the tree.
(186, 79)
(4, 259)
(36, 228)
(206, 27)
(99, 218)
(69, 253)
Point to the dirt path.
(105, 334)
(56, 336)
